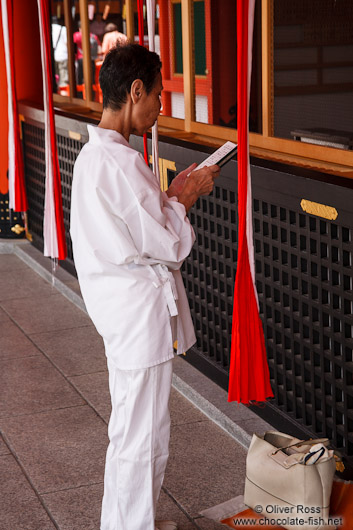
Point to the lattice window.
(304, 279)
(68, 150)
(209, 273)
(34, 155)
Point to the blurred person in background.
(97, 26)
(95, 47)
(59, 43)
(112, 37)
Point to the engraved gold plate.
(74, 135)
(18, 229)
(320, 210)
(21, 119)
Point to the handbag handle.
(303, 442)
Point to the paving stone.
(3, 316)
(3, 447)
(207, 524)
(256, 424)
(20, 507)
(74, 286)
(59, 449)
(75, 351)
(210, 391)
(33, 385)
(80, 508)
(23, 283)
(168, 509)
(44, 262)
(95, 388)
(206, 466)
(14, 342)
(10, 262)
(76, 508)
(61, 442)
(182, 411)
(49, 313)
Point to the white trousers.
(137, 454)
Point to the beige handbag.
(282, 487)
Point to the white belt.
(165, 279)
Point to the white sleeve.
(160, 229)
(158, 226)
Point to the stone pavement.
(55, 406)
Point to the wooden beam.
(130, 27)
(70, 49)
(86, 48)
(267, 68)
(331, 88)
(187, 21)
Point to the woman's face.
(147, 109)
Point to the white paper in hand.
(219, 157)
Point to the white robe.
(129, 242)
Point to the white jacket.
(129, 242)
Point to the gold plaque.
(21, 119)
(320, 210)
(18, 229)
(75, 135)
(164, 165)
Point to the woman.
(129, 242)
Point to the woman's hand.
(200, 182)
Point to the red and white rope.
(53, 225)
(249, 379)
(17, 191)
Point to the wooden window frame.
(264, 145)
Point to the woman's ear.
(136, 90)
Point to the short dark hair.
(122, 65)
(110, 27)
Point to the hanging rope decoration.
(17, 189)
(53, 226)
(141, 42)
(249, 379)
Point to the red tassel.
(59, 217)
(249, 379)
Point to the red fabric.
(59, 218)
(249, 379)
(141, 42)
(20, 200)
